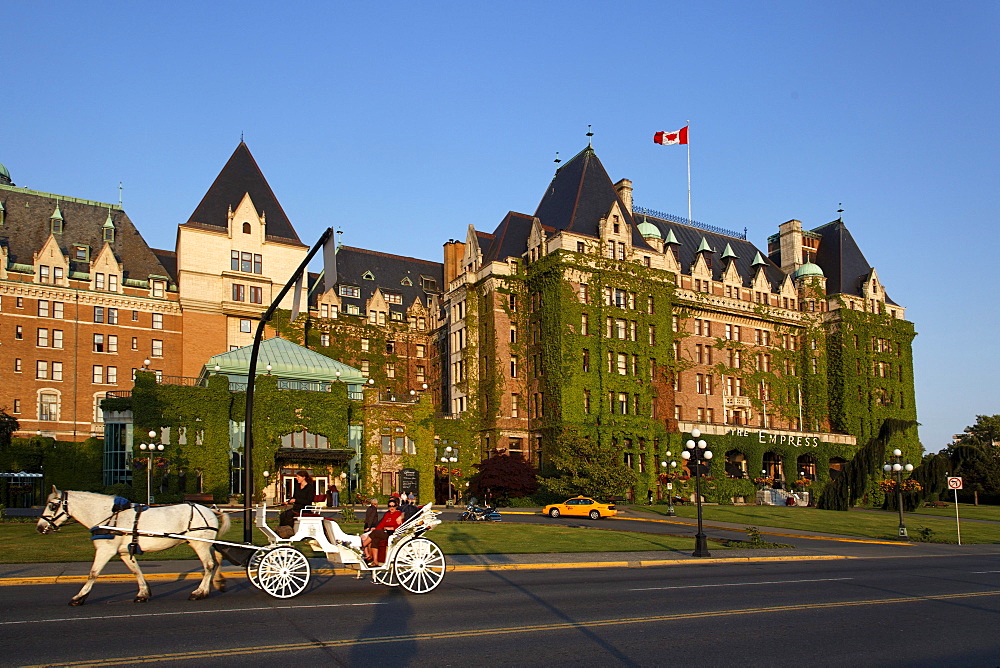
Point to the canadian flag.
(667, 138)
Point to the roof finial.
(339, 237)
(557, 160)
(120, 194)
(840, 211)
(590, 136)
(241, 136)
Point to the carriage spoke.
(420, 565)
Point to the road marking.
(189, 612)
(979, 572)
(741, 584)
(216, 653)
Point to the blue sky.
(402, 123)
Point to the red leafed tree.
(503, 477)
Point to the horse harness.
(133, 547)
(62, 506)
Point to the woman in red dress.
(378, 537)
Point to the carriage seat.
(336, 535)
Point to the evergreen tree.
(585, 467)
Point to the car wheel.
(554, 512)
(594, 515)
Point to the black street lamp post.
(896, 467)
(700, 454)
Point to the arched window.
(806, 467)
(836, 467)
(246, 228)
(772, 466)
(736, 464)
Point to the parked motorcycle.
(475, 513)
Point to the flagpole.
(689, 170)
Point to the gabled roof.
(509, 239)
(289, 361)
(28, 224)
(580, 194)
(841, 259)
(692, 240)
(388, 272)
(241, 176)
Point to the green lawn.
(20, 543)
(879, 525)
(965, 511)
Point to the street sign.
(954, 483)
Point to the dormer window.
(57, 221)
(368, 276)
(428, 283)
(391, 298)
(109, 235)
(350, 291)
(81, 253)
(406, 281)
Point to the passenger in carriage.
(378, 537)
(304, 493)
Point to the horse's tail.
(224, 523)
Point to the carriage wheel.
(253, 565)
(283, 572)
(386, 577)
(419, 565)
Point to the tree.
(986, 431)
(585, 467)
(975, 457)
(8, 425)
(504, 477)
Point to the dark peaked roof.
(28, 225)
(240, 176)
(580, 194)
(842, 261)
(509, 239)
(388, 272)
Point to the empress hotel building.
(591, 314)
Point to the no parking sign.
(954, 483)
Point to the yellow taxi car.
(581, 506)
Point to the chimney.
(453, 252)
(790, 236)
(624, 190)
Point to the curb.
(457, 568)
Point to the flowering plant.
(766, 481)
(909, 485)
(803, 482)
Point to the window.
(580, 248)
(513, 366)
(57, 371)
(364, 345)
(256, 294)
(18, 332)
(586, 360)
(246, 228)
(48, 407)
(364, 368)
(98, 374)
(157, 348)
(17, 405)
(99, 281)
(245, 326)
(515, 405)
(135, 343)
(586, 401)
(43, 273)
(234, 260)
(421, 373)
(57, 338)
(324, 339)
(513, 334)
(98, 314)
(622, 364)
(652, 335)
(41, 369)
(43, 308)
(81, 253)
(111, 375)
(239, 292)
(392, 298)
(350, 291)
(135, 316)
(622, 403)
(390, 370)
(17, 365)
(158, 288)
(57, 310)
(246, 262)
(258, 264)
(585, 324)
(20, 302)
(42, 338)
(112, 343)
(98, 343)
(421, 350)
(157, 321)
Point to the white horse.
(184, 519)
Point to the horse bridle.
(62, 506)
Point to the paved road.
(933, 610)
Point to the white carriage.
(412, 561)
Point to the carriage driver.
(303, 494)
